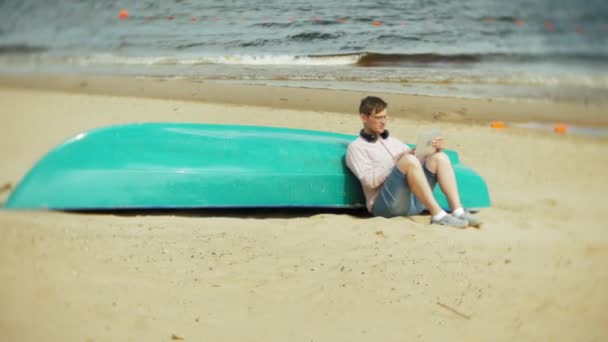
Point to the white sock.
(458, 212)
(439, 216)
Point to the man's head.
(373, 113)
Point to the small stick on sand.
(454, 311)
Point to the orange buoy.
(549, 26)
(376, 23)
(519, 22)
(560, 128)
(124, 14)
(497, 124)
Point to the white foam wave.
(404, 76)
(226, 59)
(289, 60)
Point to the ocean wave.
(273, 25)
(21, 49)
(357, 59)
(507, 19)
(333, 68)
(371, 59)
(312, 36)
(365, 20)
(397, 37)
(325, 22)
(190, 45)
(259, 42)
(380, 59)
(327, 60)
(295, 60)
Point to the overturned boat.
(180, 165)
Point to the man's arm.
(360, 164)
(406, 150)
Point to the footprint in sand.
(5, 187)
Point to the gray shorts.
(396, 198)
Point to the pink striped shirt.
(372, 163)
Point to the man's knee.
(436, 159)
(407, 162)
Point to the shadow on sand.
(255, 213)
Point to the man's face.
(375, 123)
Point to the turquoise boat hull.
(174, 165)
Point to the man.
(394, 181)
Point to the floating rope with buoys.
(549, 26)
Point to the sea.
(536, 50)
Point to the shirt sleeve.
(361, 165)
(403, 147)
(397, 148)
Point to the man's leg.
(419, 185)
(410, 165)
(439, 164)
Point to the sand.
(536, 271)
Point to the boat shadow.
(253, 213)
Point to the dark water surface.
(474, 48)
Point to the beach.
(535, 271)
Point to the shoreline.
(415, 107)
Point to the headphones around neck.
(373, 137)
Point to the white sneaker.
(473, 220)
(452, 221)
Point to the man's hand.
(400, 155)
(438, 144)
